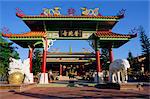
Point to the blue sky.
(136, 14)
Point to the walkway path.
(74, 92)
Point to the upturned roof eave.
(111, 35)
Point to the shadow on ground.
(82, 93)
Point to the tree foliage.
(7, 50)
(145, 41)
(36, 60)
(145, 45)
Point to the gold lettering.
(65, 33)
(70, 33)
(76, 33)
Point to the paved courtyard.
(77, 92)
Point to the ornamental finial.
(19, 11)
(71, 11)
(133, 31)
(56, 11)
(121, 12)
(5, 30)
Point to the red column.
(30, 56)
(44, 56)
(111, 58)
(60, 70)
(99, 68)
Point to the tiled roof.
(62, 16)
(110, 34)
(40, 34)
(32, 34)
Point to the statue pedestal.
(44, 78)
(28, 78)
(31, 78)
(99, 77)
(60, 77)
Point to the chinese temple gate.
(51, 25)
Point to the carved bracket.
(47, 43)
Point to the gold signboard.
(70, 33)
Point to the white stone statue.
(117, 68)
(26, 70)
(15, 65)
(23, 67)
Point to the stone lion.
(19, 66)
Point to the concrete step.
(17, 88)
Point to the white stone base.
(31, 77)
(100, 78)
(44, 80)
(60, 77)
(28, 78)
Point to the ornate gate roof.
(81, 27)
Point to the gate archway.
(47, 27)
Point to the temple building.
(61, 63)
(51, 25)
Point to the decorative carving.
(54, 12)
(71, 11)
(5, 30)
(121, 12)
(86, 12)
(134, 31)
(49, 43)
(46, 12)
(19, 12)
(95, 12)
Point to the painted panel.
(87, 34)
(53, 34)
(69, 35)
